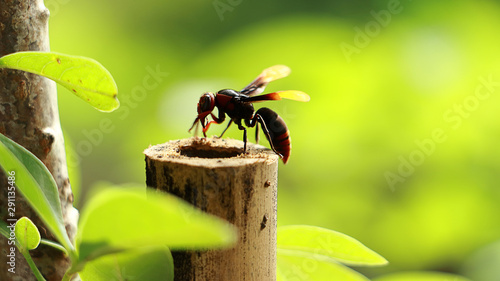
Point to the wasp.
(238, 105)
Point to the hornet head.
(205, 106)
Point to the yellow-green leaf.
(84, 77)
(34, 181)
(308, 269)
(421, 276)
(27, 234)
(122, 219)
(152, 264)
(316, 243)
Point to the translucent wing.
(290, 94)
(268, 75)
(294, 95)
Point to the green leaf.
(11, 235)
(320, 243)
(305, 268)
(36, 184)
(27, 234)
(120, 219)
(421, 276)
(4, 230)
(84, 77)
(143, 264)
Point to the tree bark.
(29, 116)
(214, 176)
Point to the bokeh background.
(398, 146)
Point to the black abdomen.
(278, 132)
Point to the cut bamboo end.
(215, 176)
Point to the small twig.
(54, 245)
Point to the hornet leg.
(238, 122)
(222, 117)
(230, 122)
(257, 133)
(253, 122)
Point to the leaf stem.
(32, 264)
(54, 245)
(67, 276)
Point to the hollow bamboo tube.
(214, 175)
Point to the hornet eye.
(206, 102)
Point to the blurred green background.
(397, 147)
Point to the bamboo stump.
(213, 175)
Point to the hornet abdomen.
(279, 136)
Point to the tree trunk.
(29, 116)
(214, 176)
